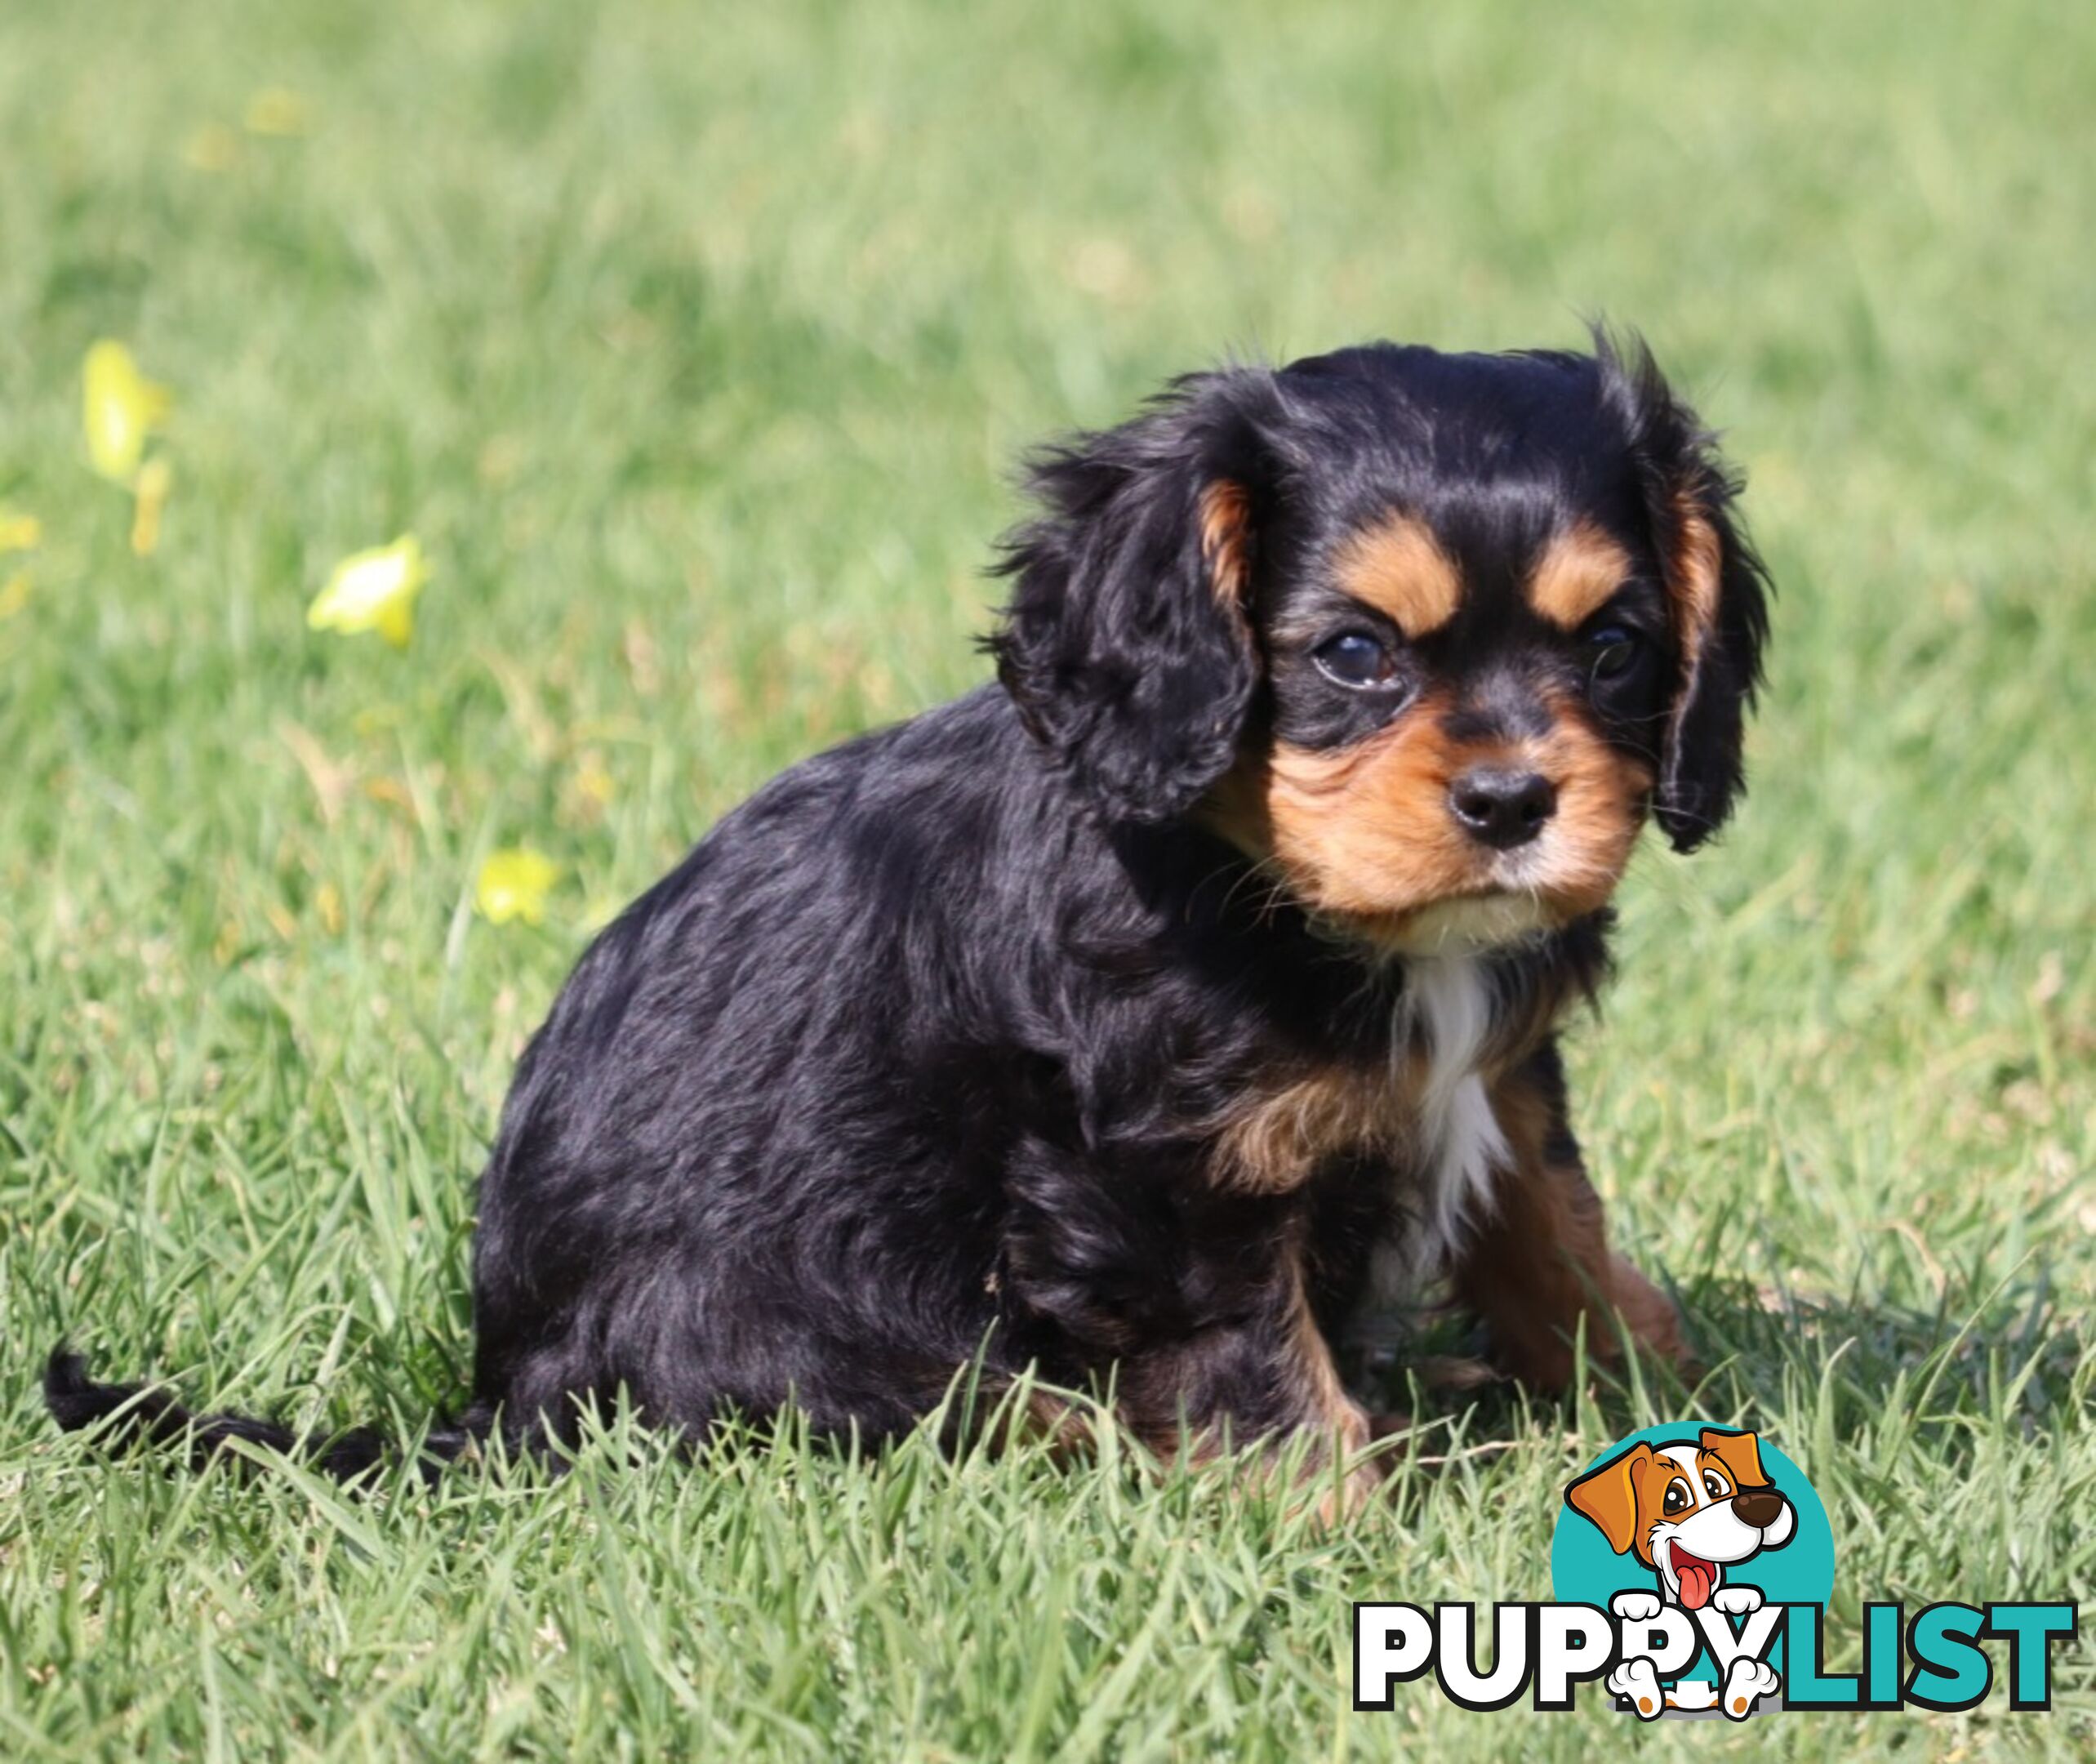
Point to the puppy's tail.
(141, 1414)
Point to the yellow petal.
(19, 532)
(14, 594)
(373, 591)
(150, 496)
(514, 884)
(121, 406)
(212, 148)
(275, 110)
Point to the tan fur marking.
(1601, 794)
(1577, 574)
(1698, 560)
(1693, 582)
(1365, 829)
(1277, 1142)
(1339, 1425)
(1226, 540)
(1330, 1407)
(1399, 568)
(1362, 835)
(1543, 1259)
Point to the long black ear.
(1716, 586)
(1126, 644)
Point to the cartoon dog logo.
(1690, 1510)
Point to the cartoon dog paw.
(1737, 1601)
(1744, 1681)
(1637, 1680)
(1636, 1607)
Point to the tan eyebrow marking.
(1577, 573)
(1399, 568)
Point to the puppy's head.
(1687, 1511)
(1429, 635)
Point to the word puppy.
(1142, 1021)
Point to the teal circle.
(1584, 1570)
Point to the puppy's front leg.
(1541, 1261)
(1196, 1305)
(1271, 1379)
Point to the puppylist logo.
(1693, 1565)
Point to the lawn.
(694, 345)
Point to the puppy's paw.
(1637, 1680)
(1650, 1317)
(1737, 1601)
(1636, 1607)
(1356, 1491)
(1746, 1681)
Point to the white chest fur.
(1426, 1116)
(1448, 1003)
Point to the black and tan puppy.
(1140, 1018)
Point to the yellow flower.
(18, 533)
(373, 591)
(121, 407)
(514, 884)
(150, 494)
(212, 148)
(275, 110)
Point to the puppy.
(1140, 1022)
(1688, 1511)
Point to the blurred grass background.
(695, 343)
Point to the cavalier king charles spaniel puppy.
(1139, 1023)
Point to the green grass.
(694, 344)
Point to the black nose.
(1502, 808)
(1759, 1507)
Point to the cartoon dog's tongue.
(1697, 1577)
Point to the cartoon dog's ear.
(1608, 1496)
(1127, 645)
(1716, 588)
(1740, 1454)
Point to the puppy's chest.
(1420, 1108)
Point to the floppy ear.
(1608, 1496)
(1740, 1454)
(1126, 644)
(1716, 588)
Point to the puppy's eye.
(1354, 658)
(1613, 651)
(1676, 1499)
(1714, 1486)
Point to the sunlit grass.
(692, 347)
